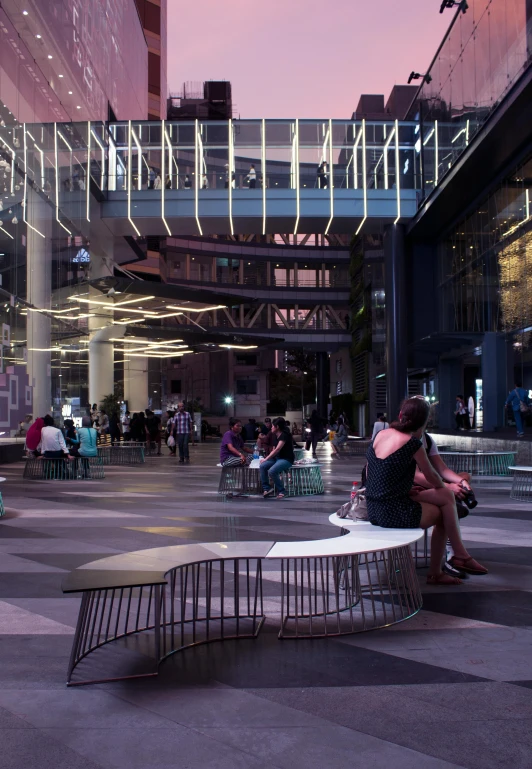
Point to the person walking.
(519, 402)
(340, 438)
(114, 427)
(153, 425)
(315, 425)
(182, 432)
(278, 461)
(460, 413)
(252, 177)
(126, 420)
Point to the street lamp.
(228, 400)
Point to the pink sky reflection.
(302, 58)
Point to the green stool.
(303, 480)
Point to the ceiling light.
(50, 56)
(197, 309)
(38, 37)
(61, 75)
(78, 107)
(239, 346)
(70, 92)
(24, 13)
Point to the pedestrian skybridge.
(234, 176)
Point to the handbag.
(356, 508)
(170, 442)
(523, 407)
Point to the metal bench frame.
(79, 469)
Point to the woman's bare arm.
(426, 468)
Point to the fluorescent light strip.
(436, 153)
(458, 135)
(9, 235)
(158, 355)
(239, 346)
(88, 178)
(57, 182)
(65, 141)
(385, 154)
(230, 185)
(428, 137)
(128, 321)
(163, 177)
(143, 341)
(355, 157)
(197, 309)
(331, 175)
(197, 174)
(25, 207)
(295, 151)
(397, 172)
(129, 179)
(97, 139)
(107, 304)
(263, 152)
(365, 190)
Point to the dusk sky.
(301, 58)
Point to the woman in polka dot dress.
(394, 503)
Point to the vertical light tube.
(231, 164)
(88, 174)
(263, 159)
(397, 172)
(163, 176)
(129, 163)
(355, 158)
(331, 177)
(296, 169)
(196, 175)
(57, 182)
(25, 206)
(364, 181)
(436, 153)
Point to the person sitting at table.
(340, 438)
(278, 461)
(266, 436)
(52, 444)
(233, 451)
(88, 440)
(392, 502)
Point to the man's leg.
(180, 444)
(264, 467)
(275, 473)
(185, 447)
(518, 422)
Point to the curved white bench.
(182, 595)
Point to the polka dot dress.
(388, 486)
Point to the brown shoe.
(469, 565)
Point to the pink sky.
(302, 58)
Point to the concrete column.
(39, 293)
(136, 384)
(450, 384)
(396, 328)
(495, 386)
(322, 383)
(101, 350)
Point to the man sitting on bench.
(52, 444)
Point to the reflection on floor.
(450, 688)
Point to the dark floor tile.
(19, 532)
(29, 585)
(66, 561)
(517, 556)
(508, 607)
(31, 749)
(268, 662)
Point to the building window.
(246, 386)
(175, 386)
(246, 360)
(339, 366)
(339, 387)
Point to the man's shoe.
(181, 461)
(187, 460)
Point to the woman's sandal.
(469, 565)
(443, 579)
